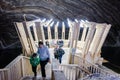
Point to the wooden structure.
(84, 41)
(86, 37)
(20, 68)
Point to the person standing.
(60, 53)
(44, 57)
(34, 61)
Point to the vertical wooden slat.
(56, 31)
(40, 32)
(23, 37)
(35, 32)
(84, 33)
(107, 28)
(77, 34)
(88, 38)
(22, 66)
(49, 33)
(63, 31)
(34, 48)
(96, 38)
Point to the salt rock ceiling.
(101, 11)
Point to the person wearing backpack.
(60, 53)
(34, 61)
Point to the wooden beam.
(35, 32)
(40, 32)
(77, 34)
(56, 31)
(33, 46)
(49, 32)
(96, 40)
(84, 33)
(63, 30)
(23, 38)
(103, 37)
(88, 38)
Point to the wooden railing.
(17, 69)
(4, 74)
(92, 68)
(73, 72)
(21, 67)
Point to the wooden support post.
(63, 30)
(49, 33)
(88, 38)
(95, 41)
(35, 32)
(40, 32)
(74, 39)
(71, 43)
(22, 43)
(28, 37)
(33, 46)
(56, 31)
(23, 38)
(77, 34)
(70, 32)
(84, 33)
(107, 28)
(22, 62)
(105, 31)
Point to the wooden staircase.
(20, 69)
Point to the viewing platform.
(82, 45)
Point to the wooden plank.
(35, 32)
(23, 37)
(84, 33)
(40, 32)
(56, 31)
(22, 66)
(63, 31)
(94, 43)
(107, 28)
(33, 46)
(37, 25)
(49, 33)
(88, 38)
(77, 34)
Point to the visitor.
(34, 61)
(60, 53)
(44, 58)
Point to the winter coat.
(34, 61)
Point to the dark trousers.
(34, 70)
(60, 59)
(42, 64)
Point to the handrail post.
(22, 61)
